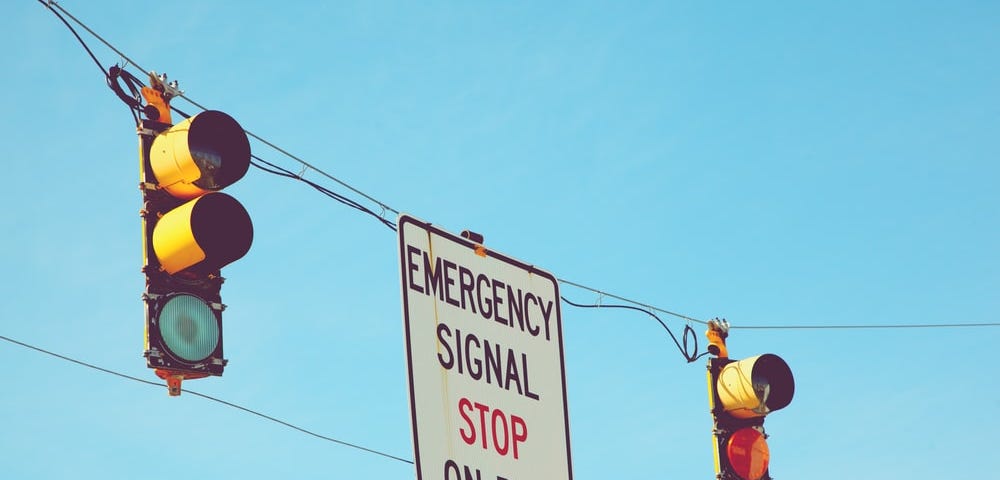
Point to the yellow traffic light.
(755, 386)
(191, 230)
(210, 231)
(202, 154)
(741, 394)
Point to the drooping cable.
(274, 169)
(686, 351)
(56, 9)
(858, 326)
(633, 302)
(115, 75)
(308, 166)
(111, 76)
(208, 397)
(49, 5)
(282, 172)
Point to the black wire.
(340, 198)
(186, 116)
(647, 307)
(688, 331)
(101, 39)
(633, 302)
(283, 172)
(110, 76)
(280, 171)
(208, 397)
(78, 362)
(274, 169)
(71, 29)
(864, 327)
(134, 85)
(135, 107)
(289, 425)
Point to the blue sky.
(772, 163)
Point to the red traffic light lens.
(747, 453)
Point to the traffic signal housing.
(190, 231)
(741, 394)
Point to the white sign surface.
(485, 355)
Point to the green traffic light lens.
(189, 328)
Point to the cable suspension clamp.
(717, 332)
(158, 95)
(175, 378)
(146, 132)
(168, 89)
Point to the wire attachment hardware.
(718, 330)
(174, 379)
(168, 89)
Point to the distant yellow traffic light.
(741, 394)
(755, 386)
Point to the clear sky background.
(773, 163)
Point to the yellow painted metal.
(715, 438)
(736, 390)
(716, 341)
(172, 163)
(145, 222)
(174, 240)
(155, 98)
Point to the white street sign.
(485, 355)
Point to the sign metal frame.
(551, 405)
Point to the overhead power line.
(859, 326)
(689, 354)
(56, 9)
(208, 397)
(633, 302)
(383, 207)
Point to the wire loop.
(685, 349)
